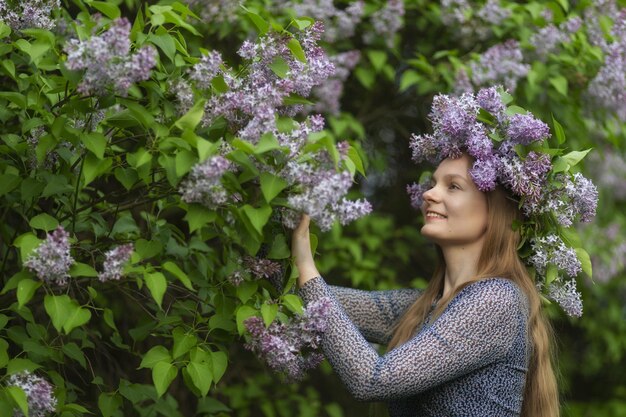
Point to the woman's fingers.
(303, 227)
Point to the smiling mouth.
(435, 215)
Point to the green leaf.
(95, 142)
(220, 363)
(126, 176)
(551, 274)
(258, 21)
(201, 376)
(27, 243)
(76, 317)
(268, 312)
(58, 308)
(558, 131)
(146, 249)
(73, 351)
(183, 342)
(559, 83)
(8, 182)
(246, 289)
(197, 216)
(296, 49)
(93, 167)
(585, 261)
(80, 269)
(574, 157)
(378, 59)
(243, 313)
(257, 217)
(409, 78)
(25, 290)
(185, 160)
(279, 248)
(192, 118)
(271, 185)
(157, 284)
(163, 41)
(17, 365)
(19, 396)
(293, 303)
(268, 142)
(280, 67)
(155, 355)
(109, 319)
(178, 273)
(107, 8)
(163, 373)
(353, 154)
(109, 403)
(4, 356)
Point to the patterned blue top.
(471, 361)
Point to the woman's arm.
(477, 328)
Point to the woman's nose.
(430, 194)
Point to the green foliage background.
(167, 339)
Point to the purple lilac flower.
(214, 12)
(493, 13)
(609, 171)
(478, 144)
(39, 394)
(261, 268)
(547, 40)
(29, 14)
(51, 260)
(567, 296)
(286, 347)
(350, 210)
(572, 25)
(386, 22)
(454, 117)
(107, 60)
(340, 24)
(502, 63)
(462, 83)
(608, 88)
(236, 278)
(416, 192)
(114, 262)
(552, 250)
(490, 100)
(584, 197)
(525, 129)
(484, 173)
(204, 71)
(329, 93)
(454, 12)
(610, 259)
(204, 185)
(525, 178)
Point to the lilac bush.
(51, 260)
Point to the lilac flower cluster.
(288, 348)
(29, 14)
(51, 260)
(500, 64)
(39, 394)
(610, 257)
(339, 23)
(505, 152)
(204, 184)
(549, 38)
(253, 101)
(321, 195)
(214, 12)
(114, 262)
(108, 62)
(567, 296)
(261, 268)
(609, 171)
(329, 93)
(607, 90)
(470, 25)
(386, 22)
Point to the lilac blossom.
(108, 61)
(204, 183)
(51, 260)
(469, 25)
(525, 129)
(386, 22)
(502, 63)
(416, 192)
(462, 83)
(39, 394)
(329, 93)
(527, 177)
(206, 69)
(261, 268)
(215, 11)
(114, 262)
(484, 173)
(339, 24)
(287, 348)
(29, 14)
(567, 296)
(255, 99)
(350, 210)
(493, 13)
(610, 259)
(490, 100)
(609, 171)
(572, 25)
(552, 250)
(547, 40)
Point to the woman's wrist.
(307, 273)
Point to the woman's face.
(455, 211)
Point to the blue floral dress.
(471, 361)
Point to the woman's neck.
(461, 265)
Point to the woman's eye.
(454, 187)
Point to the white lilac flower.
(567, 296)
(204, 183)
(39, 394)
(114, 262)
(51, 260)
(29, 14)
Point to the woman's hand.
(301, 251)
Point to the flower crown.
(511, 148)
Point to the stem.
(74, 213)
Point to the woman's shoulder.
(501, 290)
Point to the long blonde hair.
(499, 258)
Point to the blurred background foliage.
(560, 59)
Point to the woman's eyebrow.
(450, 177)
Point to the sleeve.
(375, 312)
(477, 328)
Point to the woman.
(474, 343)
